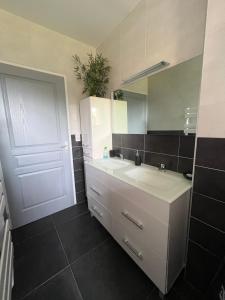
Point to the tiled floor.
(70, 256)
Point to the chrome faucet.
(162, 167)
(121, 156)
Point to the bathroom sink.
(112, 164)
(153, 178)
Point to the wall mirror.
(166, 100)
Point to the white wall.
(171, 30)
(211, 121)
(25, 43)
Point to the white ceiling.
(90, 21)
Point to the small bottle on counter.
(105, 152)
(137, 159)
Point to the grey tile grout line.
(43, 283)
(211, 198)
(209, 168)
(205, 249)
(77, 216)
(76, 284)
(89, 251)
(209, 225)
(178, 152)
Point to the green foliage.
(94, 74)
(118, 95)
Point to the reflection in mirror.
(164, 101)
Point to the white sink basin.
(112, 164)
(153, 178)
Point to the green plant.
(118, 95)
(94, 74)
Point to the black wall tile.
(116, 140)
(80, 186)
(166, 144)
(201, 267)
(130, 154)
(210, 183)
(209, 211)
(210, 153)
(208, 237)
(77, 152)
(78, 164)
(187, 145)
(155, 159)
(163, 148)
(81, 197)
(79, 175)
(185, 165)
(133, 141)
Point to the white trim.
(67, 112)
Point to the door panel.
(34, 143)
(26, 117)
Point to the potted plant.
(94, 74)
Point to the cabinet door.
(85, 116)
(100, 125)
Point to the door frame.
(67, 112)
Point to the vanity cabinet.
(152, 231)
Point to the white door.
(34, 143)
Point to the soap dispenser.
(137, 159)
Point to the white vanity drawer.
(151, 263)
(154, 206)
(101, 213)
(97, 190)
(142, 223)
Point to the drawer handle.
(131, 219)
(97, 212)
(96, 192)
(135, 251)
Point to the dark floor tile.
(81, 197)
(170, 296)
(109, 273)
(69, 213)
(60, 287)
(167, 144)
(80, 235)
(130, 154)
(79, 175)
(27, 231)
(77, 152)
(36, 260)
(116, 140)
(187, 146)
(156, 160)
(210, 153)
(133, 141)
(201, 267)
(210, 183)
(209, 211)
(185, 165)
(208, 237)
(78, 164)
(185, 290)
(217, 289)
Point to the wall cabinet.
(152, 231)
(95, 126)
